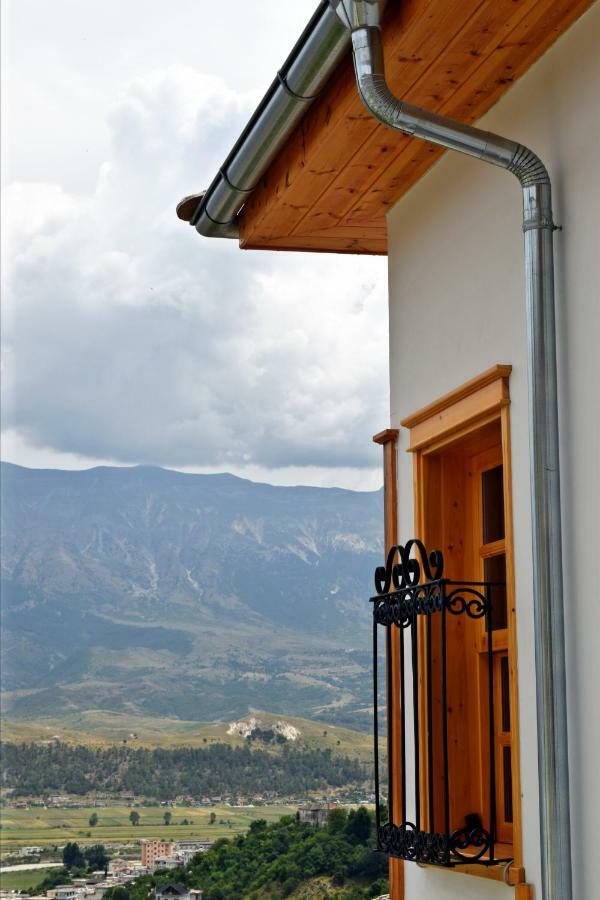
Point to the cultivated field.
(55, 827)
(22, 881)
(102, 728)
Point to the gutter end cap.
(186, 208)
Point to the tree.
(93, 820)
(289, 886)
(339, 877)
(54, 877)
(117, 893)
(205, 771)
(96, 857)
(73, 857)
(213, 818)
(167, 818)
(134, 817)
(336, 820)
(359, 825)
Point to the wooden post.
(388, 440)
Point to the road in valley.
(27, 867)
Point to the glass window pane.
(492, 491)
(505, 694)
(494, 568)
(507, 773)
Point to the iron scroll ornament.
(415, 586)
(401, 591)
(409, 571)
(438, 849)
(414, 596)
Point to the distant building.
(176, 892)
(117, 865)
(12, 895)
(315, 815)
(136, 869)
(167, 862)
(196, 846)
(97, 891)
(185, 856)
(68, 892)
(58, 799)
(152, 850)
(30, 851)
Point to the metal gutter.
(312, 60)
(363, 21)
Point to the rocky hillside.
(202, 597)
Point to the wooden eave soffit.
(341, 171)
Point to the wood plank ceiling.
(341, 170)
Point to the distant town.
(156, 854)
(153, 856)
(99, 800)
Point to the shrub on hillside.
(275, 860)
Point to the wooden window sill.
(511, 875)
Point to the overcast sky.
(126, 337)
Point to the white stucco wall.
(456, 284)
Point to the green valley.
(54, 827)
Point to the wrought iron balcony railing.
(415, 599)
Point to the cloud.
(128, 337)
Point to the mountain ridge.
(144, 467)
(144, 589)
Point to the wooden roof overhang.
(339, 173)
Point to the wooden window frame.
(481, 401)
(388, 439)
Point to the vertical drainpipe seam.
(363, 19)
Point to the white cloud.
(129, 338)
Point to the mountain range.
(202, 597)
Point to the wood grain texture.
(470, 387)
(488, 399)
(341, 169)
(517, 871)
(448, 457)
(388, 440)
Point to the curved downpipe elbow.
(528, 167)
(429, 126)
(415, 122)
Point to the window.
(453, 705)
(486, 500)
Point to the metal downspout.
(362, 17)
